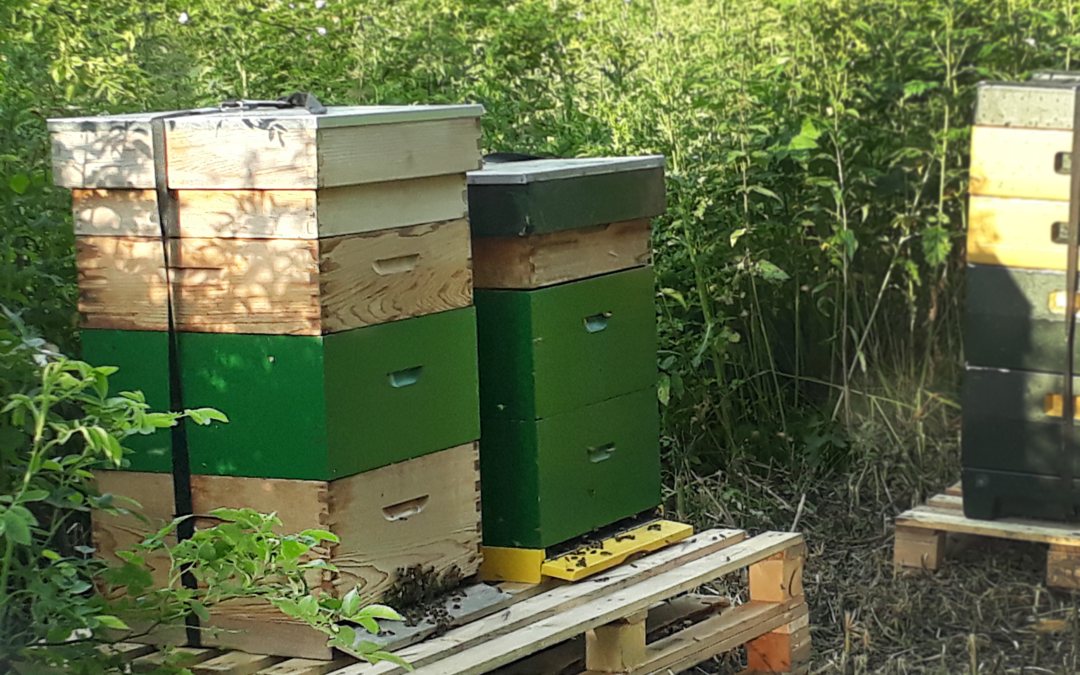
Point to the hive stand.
(921, 535)
(638, 618)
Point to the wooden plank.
(423, 511)
(472, 603)
(246, 285)
(307, 666)
(955, 490)
(781, 651)
(569, 656)
(291, 158)
(946, 501)
(126, 650)
(719, 634)
(1016, 232)
(420, 512)
(310, 214)
(120, 156)
(123, 213)
(1008, 162)
(545, 259)
(122, 283)
(1016, 529)
(235, 663)
(387, 275)
(183, 657)
(559, 599)
(118, 532)
(276, 286)
(544, 633)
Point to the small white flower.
(319, 4)
(320, 30)
(1030, 41)
(292, 5)
(183, 17)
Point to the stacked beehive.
(567, 346)
(1014, 330)
(321, 284)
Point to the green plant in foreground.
(58, 604)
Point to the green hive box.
(1014, 318)
(306, 407)
(549, 195)
(546, 481)
(1011, 438)
(552, 350)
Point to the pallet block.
(420, 512)
(921, 537)
(274, 214)
(268, 149)
(275, 286)
(542, 260)
(612, 623)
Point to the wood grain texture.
(329, 212)
(372, 154)
(289, 158)
(1007, 162)
(275, 286)
(246, 285)
(561, 600)
(1063, 567)
(237, 159)
(1016, 232)
(544, 259)
(388, 275)
(125, 213)
(117, 157)
(421, 512)
(118, 532)
(122, 283)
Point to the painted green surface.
(1008, 322)
(400, 390)
(554, 479)
(552, 350)
(319, 408)
(565, 204)
(1005, 425)
(989, 495)
(142, 359)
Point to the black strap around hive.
(169, 226)
(1068, 404)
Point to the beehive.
(319, 272)
(567, 346)
(1014, 323)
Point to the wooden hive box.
(306, 407)
(556, 349)
(423, 511)
(286, 222)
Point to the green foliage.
(58, 421)
(816, 153)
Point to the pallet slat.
(542, 634)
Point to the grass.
(809, 270)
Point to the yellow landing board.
(611, 552)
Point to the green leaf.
(350, 603)
(204, 416)
(291, 549)
(380, 612)
(110, 621)
(936, 244)
(321, 535)
(308, 606)
(200, 611)
(19, 182)
(736, 234)
(16, 525)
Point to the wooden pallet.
(641, 617)
(921, 537)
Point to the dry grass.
(987, 611)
